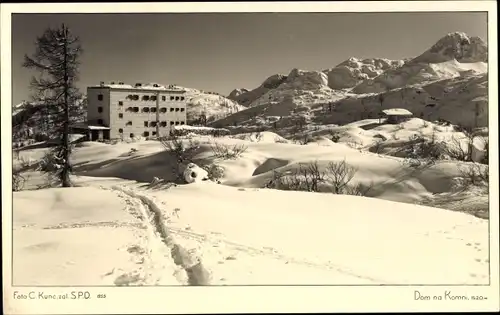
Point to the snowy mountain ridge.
(451, 74)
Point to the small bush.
(18, 180)
(215, 172)
(475, 174)
(376, 147)
(334, 136)
(340, 174)
(456, 150)
(183, 151)
(354, 144)
(227, 152)
(485, 159)
(309, 177)
(306, 178)
(420, 151)
(305, 139)
(280, 140)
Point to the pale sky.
(223, 51)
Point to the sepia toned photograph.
(249, 157)
(178, 149)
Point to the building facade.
(133, 111)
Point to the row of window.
(149, 123)
(100, 97)
(147, 110)
(145, 133)
(154, 123)
(153, 98)
(153, 109)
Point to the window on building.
(132, 135)
(136, 109)
(182, 98)
(146, 133)
(176, 98)
(130, 97)
(182, 109)
(152, 124)
(100, 97)
(163, 124)
(120, 130)
(177, 109)
(129, 123)
(145, 110)
(182, 122)
(99, 109)
(120, 103)
(176, 122)
(163, 110)
(154, 133)
(153, 98)
(145, 97)
(146, 123)
(163, 98)
(99, 122)
(130, 109)
(153, 109)
(136, 97)
(120, 115)
(171, 123)
(171, 109)
(172, 98)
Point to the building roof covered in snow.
(140, 86)
(397, 112)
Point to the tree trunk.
(66, 145)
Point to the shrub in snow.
(305, 139)
(280, 140)
(420, 151)
(308, 177)
(132, 151)
(376, 147)
(485, 159)
(225, 151)
(183, 152)
(475, 174)
(18, 180)
(214, 132)
(460, 149)
(215, 172)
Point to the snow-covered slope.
(235, 93)
(210, 229)
(455, 46)
(212, 106)
(352, 71)
(249, 96)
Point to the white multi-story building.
(119, 111)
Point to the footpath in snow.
(224, 235)
(87, 236)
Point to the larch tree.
(56, 59)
